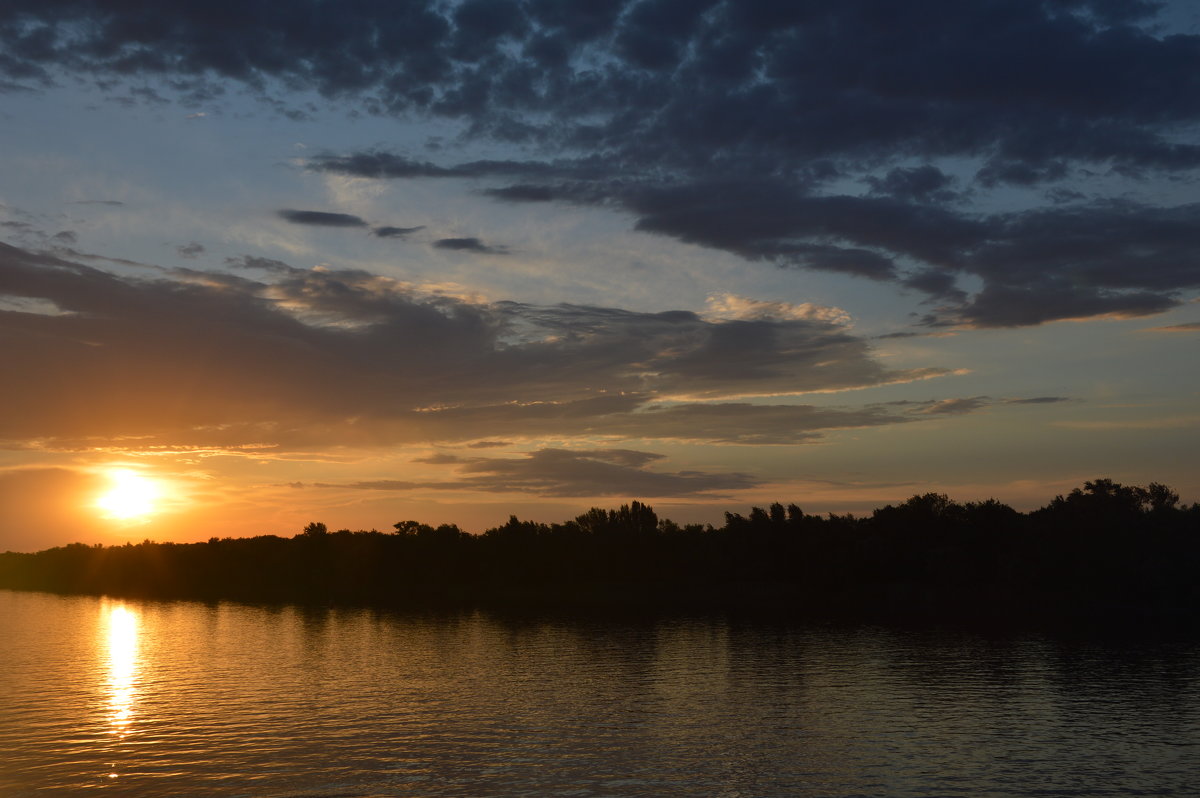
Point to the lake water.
(190, 699)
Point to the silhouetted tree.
(1161, 498)
(1102, 546)
(411, 528)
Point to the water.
(181, 698)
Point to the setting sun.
(131, 496)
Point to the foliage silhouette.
(1104, 550)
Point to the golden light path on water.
(169, 699)
(123, 667)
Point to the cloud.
(672, 83)
(571, 473)
(1038, 400)
(923, 183)
(1105, 258)
(732, 306)
(286, 357)
(440, 458)
(269, 265)
(1191, 326)
(524, 192)
(395, 232)
(721, 130)
(940, 284)
(192, 250)
(321, 218)
(469, 245)
(601, 472)
(1016, 306)
(963, 405)
(954, 407)
(8, 87)
(638, 417)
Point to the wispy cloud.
(568, 473)
(1191, 326)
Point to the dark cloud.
(441, 458)
(923, 184)
(637, 417)
(1038, 400)
(1103, 245)
(384, 164)
(263, 264)
(962, 405)
(733, 124)
(600, 472)
(1061, 196)
(1003, 306)
(321, 218)
(677, 81)
(1020, 173)
(954, 407)
(942, 284)
(571, 473)
(381, 165)
(298, 357)
(395, 232)
(1047, 264)
(69, 252)
(469, 245)
(192, 250)
(527, 192)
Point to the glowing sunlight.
(131, 496)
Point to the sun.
(131, 496)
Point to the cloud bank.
(320, 357)
(849, 136)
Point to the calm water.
(177, 698)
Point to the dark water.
(159, 698)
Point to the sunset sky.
(362, 262)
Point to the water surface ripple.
(182, 698)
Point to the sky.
(362, 262)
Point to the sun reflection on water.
(122, 666)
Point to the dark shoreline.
(1106, 554)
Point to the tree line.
(1103, 550)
